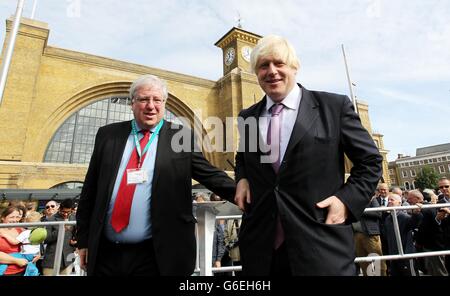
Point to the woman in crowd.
(16, 266)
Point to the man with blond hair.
(298, 208)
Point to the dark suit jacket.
(171, 202)
(431, 235)
(370, 221)
(312, 170)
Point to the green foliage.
(427, 178)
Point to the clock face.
(246, 52)
(229, 56)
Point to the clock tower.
(237, 45)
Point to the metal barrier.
(205, 231)
(371, 259)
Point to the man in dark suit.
(298, 209)
(135, 211)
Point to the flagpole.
(350, 85)
(10, 48)
(33, 12)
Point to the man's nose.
(272, 69)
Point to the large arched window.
(74, 140)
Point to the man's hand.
(337, 211)
(83, 253)
(242, 194)
(442, 214)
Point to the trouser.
(366, 245)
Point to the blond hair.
(276, 46)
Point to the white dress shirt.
(289, 116)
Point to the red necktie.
(275, 130)
(122, 206)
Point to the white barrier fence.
(206, 218)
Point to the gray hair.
(395, 196)
(149, 80)
(417, 194)
(276, 46)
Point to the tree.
(427, 178)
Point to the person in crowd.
(368, 241)
(433, 233)
(298, 207)
(15, 265)
(406, 224)
(135, 211)
(231, 240)
(64, 214)
(51, 208)
(432, 195)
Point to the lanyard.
(140, 153)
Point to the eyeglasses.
(145, 101)
(66, 212)
(49, 206)
(444, 186)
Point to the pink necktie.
(122, 206)
(274, 133)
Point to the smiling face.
(275, 77)
(148, 106)
(13, 217)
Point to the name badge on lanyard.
(139, 175)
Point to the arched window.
(74, 140)
(407, 187)
(69, 185)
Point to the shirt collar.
(139, 129)
(292, 100)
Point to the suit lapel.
(120, 140)
(162, 153)
(307, 115)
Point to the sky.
(398, 51)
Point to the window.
(441, 169)
(74, 140)
(413, 173)
(69, 185)
(404, 174)
(413, 185)
(407, 187)
(420, 161)
(391, 171)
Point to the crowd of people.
(32, 250)
(421, 230)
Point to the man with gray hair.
(135, 210)
(298, 206)
(406, 224)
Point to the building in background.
(404, 169)
(56, 99)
